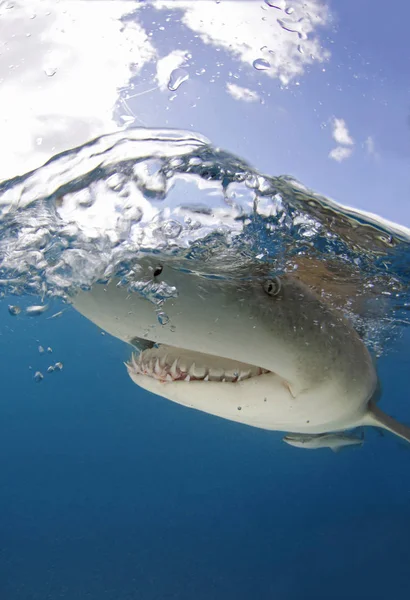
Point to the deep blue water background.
(110, 493)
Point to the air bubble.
(50, 71)
(171, 229)
(260, 64)
(279, 4)
(163, 318)
(14, 310)
(176, 79)
(293, 27)
(36, 310)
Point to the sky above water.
(319, 90)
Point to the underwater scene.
(204, 300)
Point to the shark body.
(254, 349)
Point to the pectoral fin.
(377, 418)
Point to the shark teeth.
(166, 368)
(134, 362)
(173, 370)
(157, 368)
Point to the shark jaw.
(223, 387)
(251, 395)
(227, 388)
(169, 364)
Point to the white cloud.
(242, 28)
(340, 133)
(68, 64)
(340, 153)
(241, 93)
(61, 71)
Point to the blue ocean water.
(109, 492)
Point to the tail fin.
(377, 418)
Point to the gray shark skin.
(254, 349)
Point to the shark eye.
(157, 270)
(272, 286)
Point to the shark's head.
(253, 347)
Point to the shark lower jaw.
(169, 364)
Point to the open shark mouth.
(168, 364)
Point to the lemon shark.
(255, 349)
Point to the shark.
(334, 441)
(251, 347)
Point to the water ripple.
(90, 212)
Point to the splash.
(89, 213)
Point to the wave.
(90, 212)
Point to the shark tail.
(377, 418)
